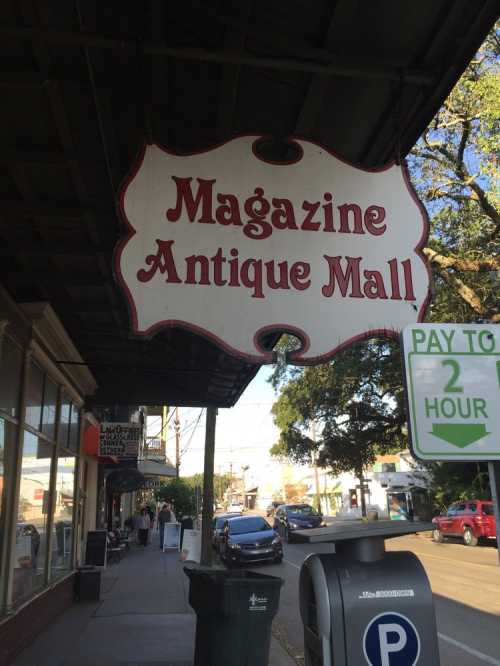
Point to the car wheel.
(469, 538)
(278, 560)
(437, 536)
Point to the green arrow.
(459, 434)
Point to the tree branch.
(476, 265)
(466, 293)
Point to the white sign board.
(120, 439)
(233, 247)
(191, 546)
(453, 384)
(172, 536)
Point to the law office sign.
(453, 384)
(232, 247)
(119, 440)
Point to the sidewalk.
(143, 619)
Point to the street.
(466, 586)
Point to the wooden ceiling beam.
(334, 66)
(50, 210)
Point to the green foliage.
(355, 402)
(221, 484)
(455, 170)
(459, 481)
(180, 494)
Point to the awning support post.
(208, 488)
(494, 473)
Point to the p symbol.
(391, 639)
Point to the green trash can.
(234, 612)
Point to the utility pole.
(316, 474)
(208, 489)
(164, 430)
(177, 442)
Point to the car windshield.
(488, 509)
(302, 510)
(246, 525)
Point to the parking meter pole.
(494, 473)
(208, 488)
(363, 604)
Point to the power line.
(184, 450)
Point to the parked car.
(219, 525)
(472, 520)
(291, 517)
(249, 539)
(235, 507)
(271, 509)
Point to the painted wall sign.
(453, 384)
(231, 246)
(120, 440)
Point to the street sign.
(453, 385)
(391, 639)
(316, 247)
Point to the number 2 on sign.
(451, 385)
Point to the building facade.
(47, 485)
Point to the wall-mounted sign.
(120, 440)
(232, 247)
(453, 384)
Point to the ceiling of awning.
(85, 83)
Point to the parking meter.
(363, 605)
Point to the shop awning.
(153, 468)
(85, 84)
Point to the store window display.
(30, 548)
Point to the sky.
(244, 433)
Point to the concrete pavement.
(143, 619)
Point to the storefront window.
(49, 409)
(10, 372)
(74, 430)
(64, 421)
(30, 548)
(62, 537)
(34, 397)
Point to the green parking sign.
(453, 390)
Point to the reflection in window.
(49, 409)
(34, 397)
(64, 421)
(74, 429)
(7, 444)
(10, 372)
(30, 548)
(62, 537)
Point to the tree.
(180, 495)
(455, 170)
(356, 402)
(221, 484)
(456, 481)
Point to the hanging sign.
(453, 384)
(120, 440)
(233, 247)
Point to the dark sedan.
(249, 539)
(218, 526)
(291, 517)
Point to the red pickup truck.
(472, 520)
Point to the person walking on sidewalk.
(144, 524)
(164, 517)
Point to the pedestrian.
(151, 514)
(144, 524)
(164, 517)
